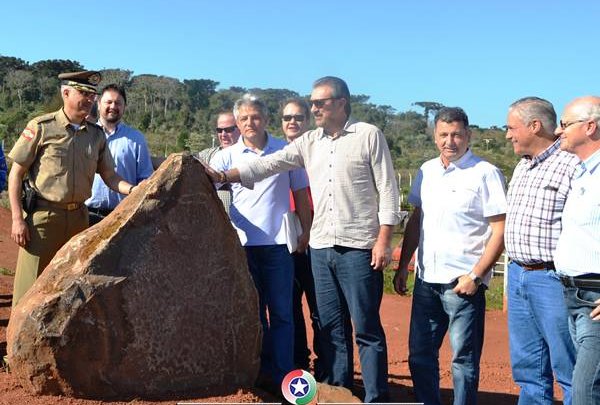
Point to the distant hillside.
(179, 115)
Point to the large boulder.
(155, 299)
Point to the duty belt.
(63, 206)
(587, 281)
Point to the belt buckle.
(72, 206)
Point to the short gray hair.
(535, 108)
(250, 99)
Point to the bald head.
(579, 127)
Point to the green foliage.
(180, 115)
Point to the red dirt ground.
(496, 385)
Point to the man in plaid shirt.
(540, 344)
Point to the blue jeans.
(349, 293)
(272, 270)
(538, 332)
(435, 310)
(586, 335)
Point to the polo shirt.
(257, 214)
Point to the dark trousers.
(304, 284)
(97, 214)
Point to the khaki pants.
(49, 230)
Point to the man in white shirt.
(577, 256)
(458, 225)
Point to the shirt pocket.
(54, 161)
(463, 198)
(553, 196)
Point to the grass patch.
(4, 200)
(6, 272)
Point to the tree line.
(180, 115)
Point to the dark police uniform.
(61, 160)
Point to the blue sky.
(479, 55)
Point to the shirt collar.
(534, 161)
(349, 127)
(590, 164)
(460, 163)
(109, 133)
(245, 148)
(63, 120)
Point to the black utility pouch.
(29, 197)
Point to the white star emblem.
(299, 387)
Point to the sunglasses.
(227, 129)
(321, 102)
(297, 117)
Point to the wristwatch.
(476, 279)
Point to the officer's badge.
(94, 79)
(28, 134)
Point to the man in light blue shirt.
(577, 256)
(257, 216)
(127, 147)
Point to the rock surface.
(329, 394)
(156, 299)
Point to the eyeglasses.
(297, 117)
(226, 129)
(565, 125)
(321, 102)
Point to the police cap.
(86, 80)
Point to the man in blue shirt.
(257, 216)
(3, 169)
(127, 147)
(577, 256)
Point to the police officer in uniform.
(60, 152)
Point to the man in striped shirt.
(540, 344)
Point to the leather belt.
(63, 206)
(537, 266)
(581, 281)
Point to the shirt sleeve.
(493, 193)
(25, 149)
(288, 158)
(414, 196)
(385, 180)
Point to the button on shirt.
(61, 159)
(455, 203)
(536, 197)
(578, 249)
(257, 214)
(132, 162)
(352, 182)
